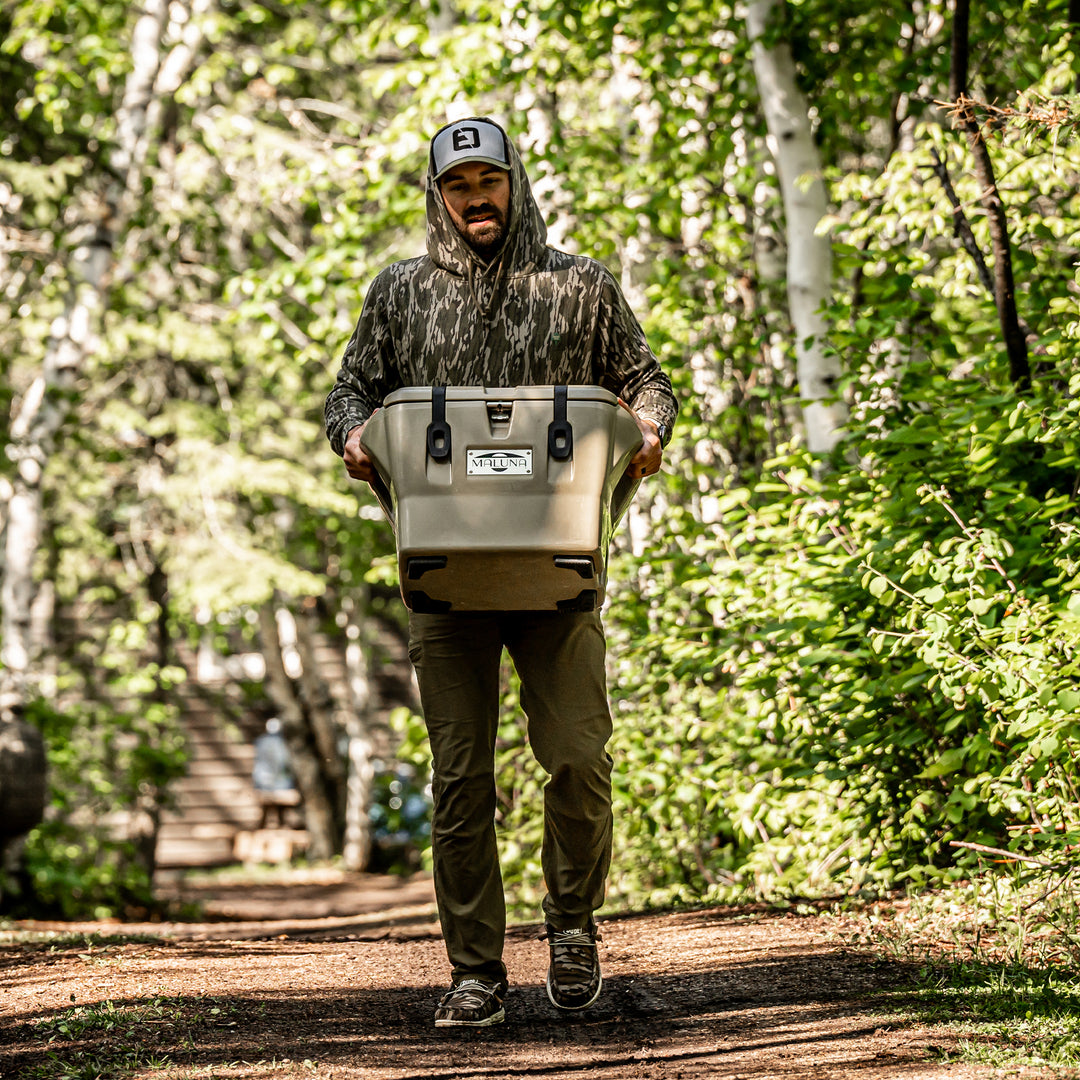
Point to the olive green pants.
(559, 659)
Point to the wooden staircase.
(215, 799)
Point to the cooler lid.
(422, 394)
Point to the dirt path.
(717, 993)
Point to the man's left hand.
(649, 458)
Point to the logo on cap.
(466, 138)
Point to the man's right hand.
(357, 463)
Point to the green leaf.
(949, 762)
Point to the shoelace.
(570, 937)
(466, 990)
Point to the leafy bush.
(877, 665)
(108, 775)
(400, 816)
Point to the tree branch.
(961, 225)
(1012, 856)
(964, 233)
(1004, 285)
(1074, 23)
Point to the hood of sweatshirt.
(524, 249)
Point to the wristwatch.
(662, 431)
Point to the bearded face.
(477, 197)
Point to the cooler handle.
(438, 431)
(560, 430)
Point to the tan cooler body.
(502, 499)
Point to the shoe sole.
(573, 1008)
(494, 1018)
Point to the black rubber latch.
(560, 431)
(438, 431)
(419, 565)
(581, 565)
(423, 604)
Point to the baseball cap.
(468, 140)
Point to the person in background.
(490, 304)
(272, 775)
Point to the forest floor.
(333, 977)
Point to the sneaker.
(573, 979)
(472, 1003)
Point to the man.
(491, 305)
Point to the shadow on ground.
(686, 995)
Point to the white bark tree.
(46, 404)
(809, 254)
(163, 45)
(163, 48)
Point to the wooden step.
(211, 766)
(185, 830)
(203, 802)
(212, 815)
(183, 853)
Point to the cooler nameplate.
(499, 462)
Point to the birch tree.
(162, 49)
(95, 232)
(802, 187)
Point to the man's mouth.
(483, 227)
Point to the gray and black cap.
(475, 139)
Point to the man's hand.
(649, 458)
(358, 465)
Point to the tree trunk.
(802, 188)
(1074, 23)
(22, 778)
(319, 706)
(23, 787)
(42, 412)
(357, 847)
(319, 817)
(1003, 283)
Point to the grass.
(999, 964)
(58, 940)
(114, 1040)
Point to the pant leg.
(560, 660)
(457, 659)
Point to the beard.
(484, 230)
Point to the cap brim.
(451, 165)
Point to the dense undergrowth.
(998, 961)
(831, 675)
(876, 675)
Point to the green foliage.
(997, 962)
(823, 674)
(109, 777)
(400, 813)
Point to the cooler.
(502, 499)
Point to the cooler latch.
(560, 431)
(438, 431)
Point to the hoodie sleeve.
(629, 367)
(369, 369)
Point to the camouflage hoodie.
(533, 315)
